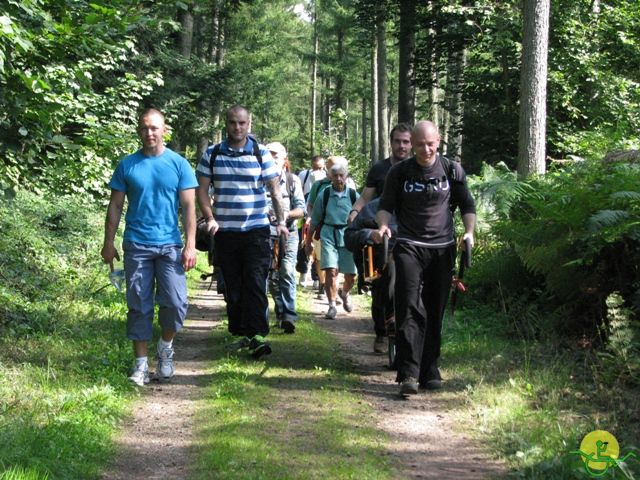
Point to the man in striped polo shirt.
(241, 172)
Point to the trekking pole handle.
(385, 247)
(467, 248)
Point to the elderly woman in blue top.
(334, 257)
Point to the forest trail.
(423, 440)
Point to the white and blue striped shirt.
(240, 201)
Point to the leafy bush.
(48, 251)
(565, 241)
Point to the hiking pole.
(457, 284)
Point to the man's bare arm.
(114, 213)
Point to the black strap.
(306, 177)
(325, 200)
(290, 187)
(216, 151)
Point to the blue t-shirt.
(152, 186)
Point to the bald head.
(425, 141)
(425, 126)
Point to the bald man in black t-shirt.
(420, 191)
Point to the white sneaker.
(165, 364)
(315, 285)
(140, 375)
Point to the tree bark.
(374, 103)
(533, 88)
(186, 33)
(407, 62)
(326, 117)
(364, 149)
(383, 95)
(314, 79)
(455, 104)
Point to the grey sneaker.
(379, 344)
(164, 371)
(331, 313)
(346, 301)
(409, 386)
(140, 375)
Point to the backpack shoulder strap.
(352, 196)
(449, 168)
(256, 150)
(290, 185)
(214, 154)
(325, 202)
(306, 177)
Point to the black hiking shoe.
(433, 384)
(258, 347)
(288, 326)
(242, 342)
(409, 386)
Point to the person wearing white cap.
(282, 282)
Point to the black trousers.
(423, 282)
(244, 258)
(382, 298)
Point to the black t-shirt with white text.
(421, 198)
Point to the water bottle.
(117, 279)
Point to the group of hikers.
(252, 206)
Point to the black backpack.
(216, 151)
(204, 241)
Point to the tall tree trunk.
(338, 97)
(364, 101)
(407, 62)
(455, 105)
(186, 32)
(533, 88)
(326, 119)
(374, 104)
(314, 78)
(184, 43)
(383, 95)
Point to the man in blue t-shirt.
(155, 181)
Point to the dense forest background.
(327, 76)
(332, 77)
(539, 100)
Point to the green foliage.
(532, 401)
(63, 388)
(573, 235)
(67, 109)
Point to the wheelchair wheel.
(391, 351)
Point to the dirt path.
(422, 432)
(155, 442)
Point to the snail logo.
(599, 451)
